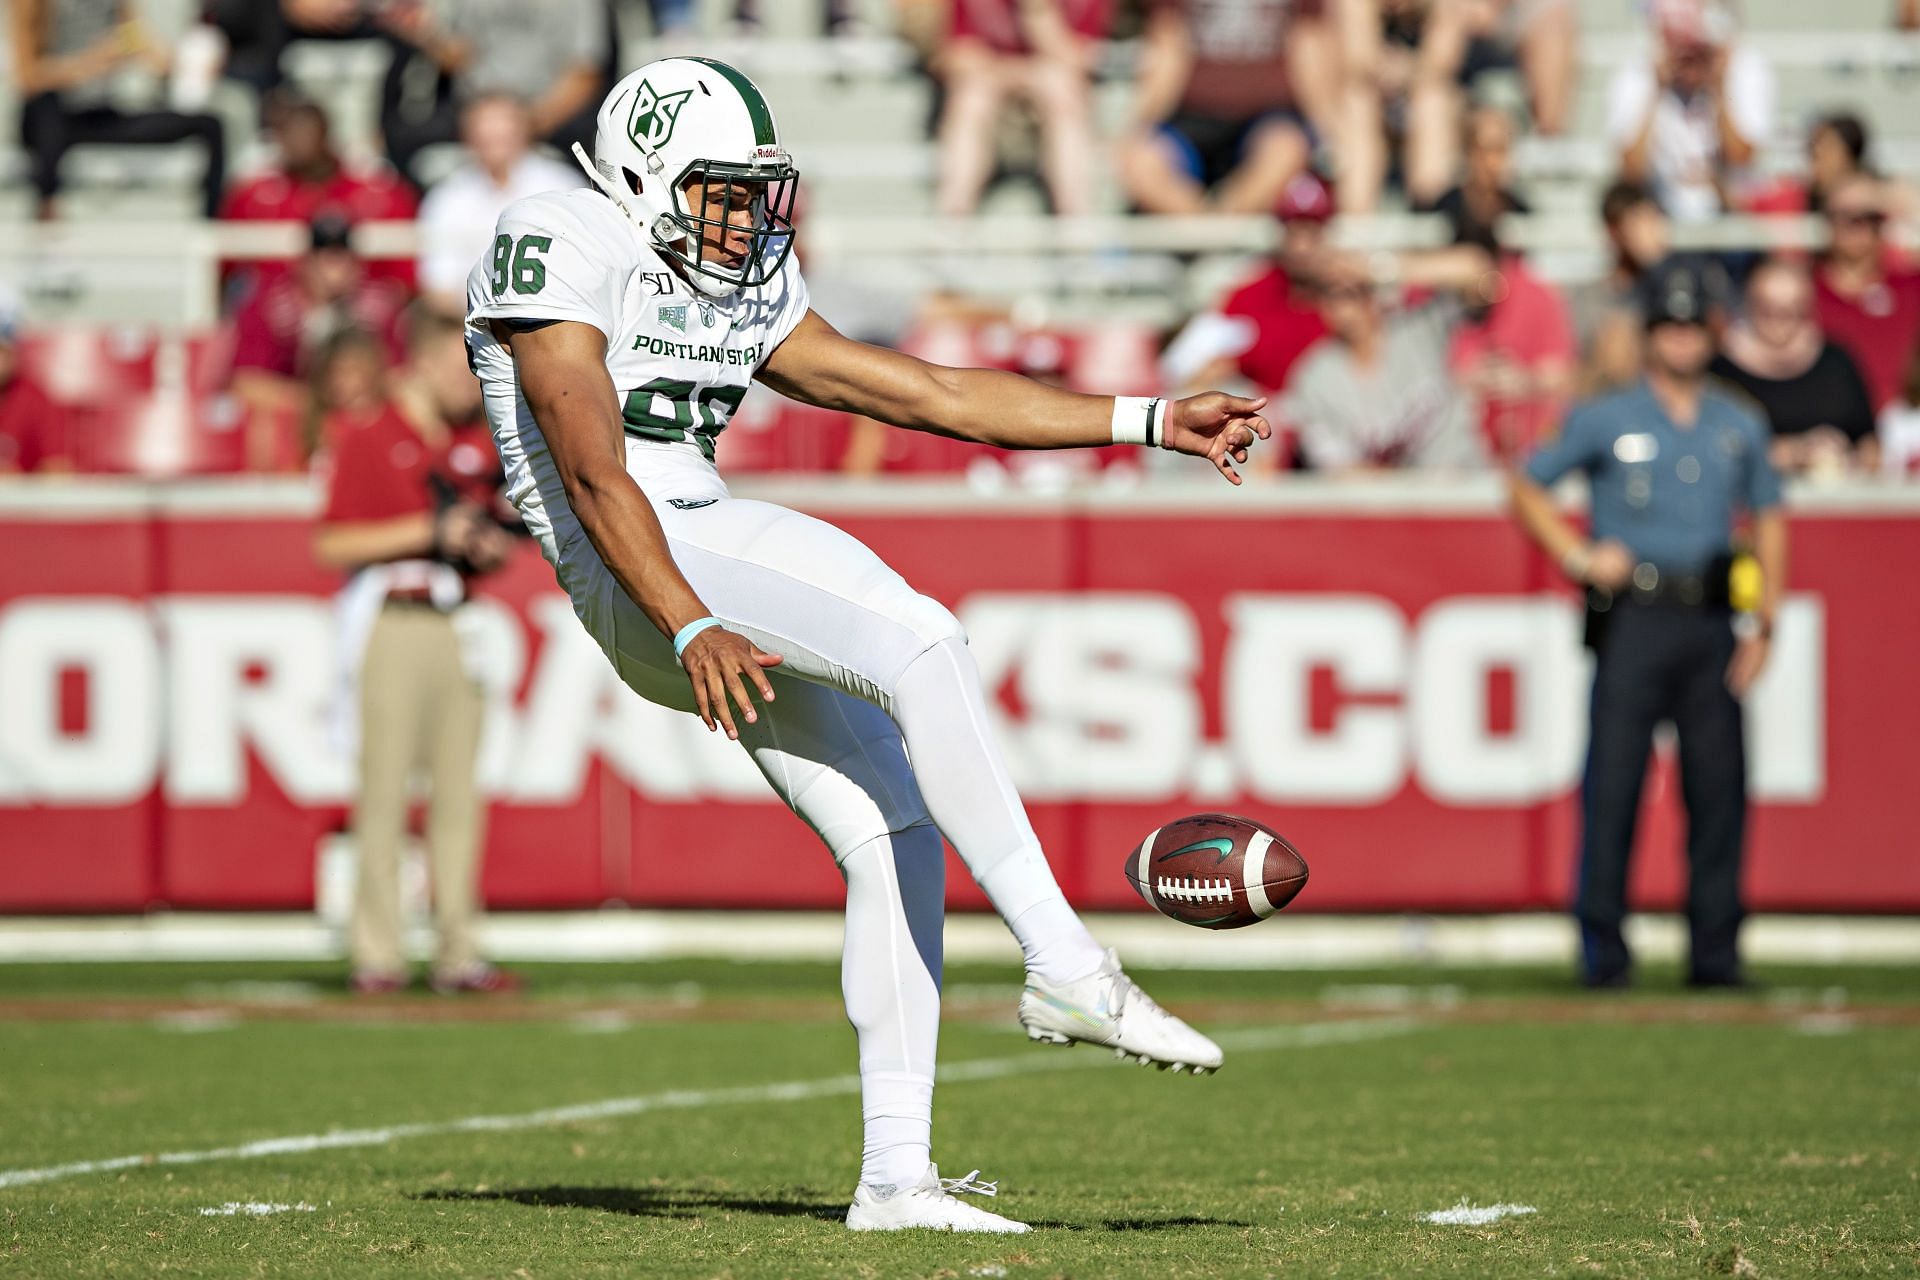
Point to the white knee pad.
(838, 762)
(854, 825)
(932, 621)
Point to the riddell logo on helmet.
(653, 118)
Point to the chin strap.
(607, 188)
(612, 191)
(970, 1185)
(620, 199)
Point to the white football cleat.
(1106, 1008)
(932, 1204)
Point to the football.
(1216, 871)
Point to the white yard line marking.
(1288, 1037)
(256, 992)
(196, 1021)
(1827, 1024)
(1467, 1215)
(603, 1022)
(253, 1209)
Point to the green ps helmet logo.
(653, 118)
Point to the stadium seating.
(131, 264)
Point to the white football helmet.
(679, 120)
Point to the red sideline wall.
(1383, 672)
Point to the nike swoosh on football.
(1220, 845)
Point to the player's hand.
(1610, 565)
(407, 19)
(1663, 67)
(455, 529)
(720, 664)
(1717, 62)
(488, 548)
(324, 15)
(104, 56)
(1749, 660)
(1217, 427)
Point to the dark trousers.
(834, 14)
(412, 122)
(408, 136)
(1664, 662)
(49, 129)
(258, 33)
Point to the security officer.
(1671, 462)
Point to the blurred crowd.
(1303, 110)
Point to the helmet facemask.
(693, 236)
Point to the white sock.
(896, 1111)
(942, 714)
(1056, 945)
(890, 975)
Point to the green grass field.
(638, 1127)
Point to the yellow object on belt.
(1745, 583)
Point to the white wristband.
(1137, 420)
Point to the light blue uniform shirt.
(1670, 493)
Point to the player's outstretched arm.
(820, 366)
(563, 375)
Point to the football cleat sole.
(1039, 1036)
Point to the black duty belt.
(1653, 585)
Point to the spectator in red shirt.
(279, 329)
(1265, 325)
(1229, 96)
(1040, 52)
(306, 179)
(1518, 357)
(1513, 348)
(349, 390)
(409, 518)
(33, 430)
(1867, 305)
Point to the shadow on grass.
(1168, 1224)
(649, 1202)
(677, 1202)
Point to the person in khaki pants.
(409, 516)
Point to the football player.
(616, 328)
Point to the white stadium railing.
(167, 271)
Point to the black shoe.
(1735, 981)
(1618, 980)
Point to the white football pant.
(874, 675)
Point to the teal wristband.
(688, 632)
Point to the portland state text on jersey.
(747, 357)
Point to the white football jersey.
(680, 361)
